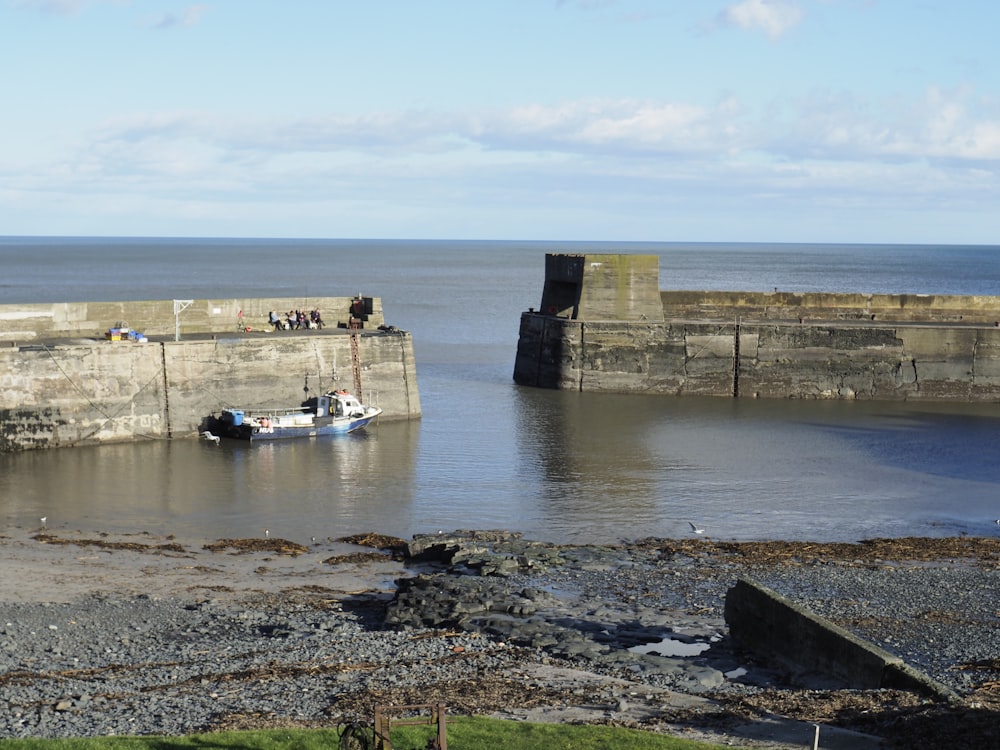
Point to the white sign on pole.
(180, 305)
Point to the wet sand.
(43, 565)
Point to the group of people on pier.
(295, 319)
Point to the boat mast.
(355, 334)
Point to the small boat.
(333, 413)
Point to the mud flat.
(137, 634)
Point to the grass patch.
(464, 733)
(481, 733)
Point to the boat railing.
(287, 417)
(289, 410)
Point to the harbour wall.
(831, 306)
(756, 345)
(47, 320)
(69, 391)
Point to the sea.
(488, 454)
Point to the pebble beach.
(134, 634)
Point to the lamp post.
(180, 305)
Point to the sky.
(868, 121)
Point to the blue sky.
(628, 120)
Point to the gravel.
(107, 665)
(484, 622)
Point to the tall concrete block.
(943, 360)
(602, 287)
(668, 359)
(986, 366)
(709, 349)
(548, 352)
(612, 361)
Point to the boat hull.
(334, 413)
(260, 434)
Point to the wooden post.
(383, 723)
(442, 737)
(382, 741)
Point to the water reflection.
(631, 466)
(587, 454)
(327, 486)
(554, 465)
(961, 446)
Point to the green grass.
(479, 733)
(464, 733)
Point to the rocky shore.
(138, 635)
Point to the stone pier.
(603, 325)
(63, 382)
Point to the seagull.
(267, 533)
(43, 519)
(696, 529)
(209, 436)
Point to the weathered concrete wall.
(79, 394)
(96, 392)
(752, 344)
(868, 362)
(825, 306)
(42, 321)
(765, 623)
(602, 286)
(666, 357)
(776, 360)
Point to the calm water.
(488, 454)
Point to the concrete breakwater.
(604, 325)
(63, 384)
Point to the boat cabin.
(339, 404)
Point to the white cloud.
(945, 124)
(621, 125)
(833, 150)
(955, 129)
(951, 124)
(773, 17)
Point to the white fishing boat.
(333, 413)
